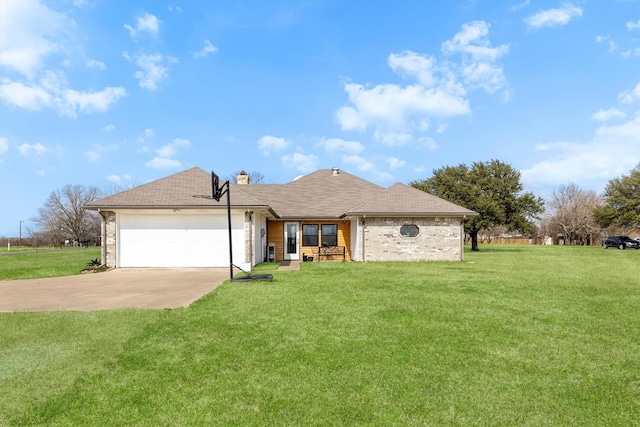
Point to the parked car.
(620, 242)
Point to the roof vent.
(335, 171)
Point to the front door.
(291, 241)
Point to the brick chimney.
(243, 178)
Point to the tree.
(621, 201)
(255, 177)
(572, 214)
(64, 216)
(492, 189)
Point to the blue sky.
(108, 93)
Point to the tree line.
(493, 189)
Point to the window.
(329, 234)
(309, 234)
(409, 230)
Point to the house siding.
(439, 239)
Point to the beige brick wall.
(439, 239)
(108, 238)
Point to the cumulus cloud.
(395, 163)
(360, 163)
(268, 144)
(108, 128)
(171, 149)
(301, 162)
(630, 96)
(612, 151)
(633, 25)
(395, 112)
(606, 115)
(145, 24)
(31, 150)
(153, 69)
(52, 91)
(206, 50)
(94, 63)
(29, 32)
(553, 17)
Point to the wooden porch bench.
(328, 251)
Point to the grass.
(45, 263)
(516, 335)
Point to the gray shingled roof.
(321, 194)
(401, 199)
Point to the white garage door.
(179, 240)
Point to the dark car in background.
(620, 242)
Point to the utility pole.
(20, 239)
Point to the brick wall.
(439, 239)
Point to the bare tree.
(63, 215)
(571, 214)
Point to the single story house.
(328, 214)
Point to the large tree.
(571, 214)
(493, 189)
(621, 201)
(63, 215)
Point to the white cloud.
(163, 163)
(30, 150)
(442, 128)
(396, 112)
(4, 147)
(553, 17)
(428, 142)
(605, 115)
(28, 97)
(108, 128)
(472, 40)
(519, 6)
(153, 70)
(359, 162)
(631, 53)
(206, 50)
(92, 156)
(612, 46)
(53, 92)
(145, 24)
(29, 32)
(633, 25)
(630, 96)
(613, 150)
(301, 162)
(395, 163)
(176, 8)
(94, 63)
(171, 150)
(268, 144)
(333, 145)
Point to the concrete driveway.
(119, 288)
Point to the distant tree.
(492, 189)
(571, 214)
(117, 187)
(255, 177)
(621, 201)
(63, 215)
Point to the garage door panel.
(176, 240)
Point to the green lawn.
(28, 263)
(516, 335)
